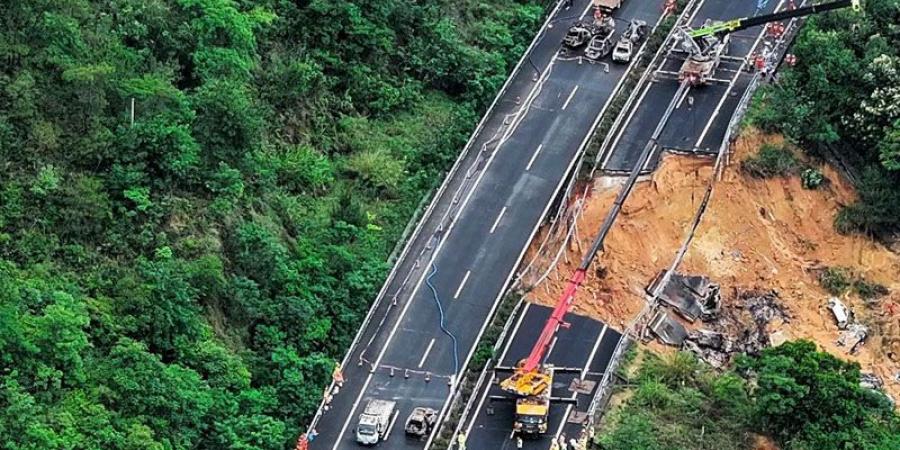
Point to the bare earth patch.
(756, 233)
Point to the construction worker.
(461, 440)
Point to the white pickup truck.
(376, 421)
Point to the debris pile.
(853, 335)
(742, 328)
(692, 296)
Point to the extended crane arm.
(731, 26)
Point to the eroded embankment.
(756, 233)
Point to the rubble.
(740, 329)
(713, 347)
(854, 336)
(667, 329)
(691, 296)
(870, 381)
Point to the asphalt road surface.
(587, 345)
(699, 123)
(475, 236)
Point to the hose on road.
(440, 307)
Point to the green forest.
(802, 398)
(841, 102)
(186, 277)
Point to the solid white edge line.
(534, 230)
(533, 157)
(497, 220)
(487, 386)
(461, 285)
(437, 250)
(624, 126)
(427, 351)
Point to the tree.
(814, 400)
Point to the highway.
(699, 122)
(474, 235)
(587, 345)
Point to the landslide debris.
(758, 235)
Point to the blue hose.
(440, 307)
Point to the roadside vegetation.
(188, 280)
(840, 103)
(801, 397)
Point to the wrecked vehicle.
(840, 312)
(585, 31)
(420, 421)
(627, 43)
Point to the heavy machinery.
(607, 6)
(705, 47)
(532, 379)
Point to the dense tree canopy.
(188, 280)
(804, 398)
(843, 100)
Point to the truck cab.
(367, 432)
(376, 421)
(531, 415)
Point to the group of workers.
(558, 443)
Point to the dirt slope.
(769, 234)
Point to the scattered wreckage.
(742, 329)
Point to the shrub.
(835, 280)
(771, 161)
(812, 178)
(868, 290)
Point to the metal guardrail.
(731, 132)
(431, 206)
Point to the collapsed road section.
(444, 288)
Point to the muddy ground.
(756, 234)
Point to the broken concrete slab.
(840, 311)
(853, 337)
(870, 381)
(692, 296)
(667, 329)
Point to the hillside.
(198, 199)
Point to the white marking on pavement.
(497, 221)
(533, 157)
(463, 283)
(587, 366)
(487, 386)
(737, 75)
(625, 124)
(571, 94)
(427, 351)
(683, 96)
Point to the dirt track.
(769, 234)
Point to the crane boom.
(734, 25)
